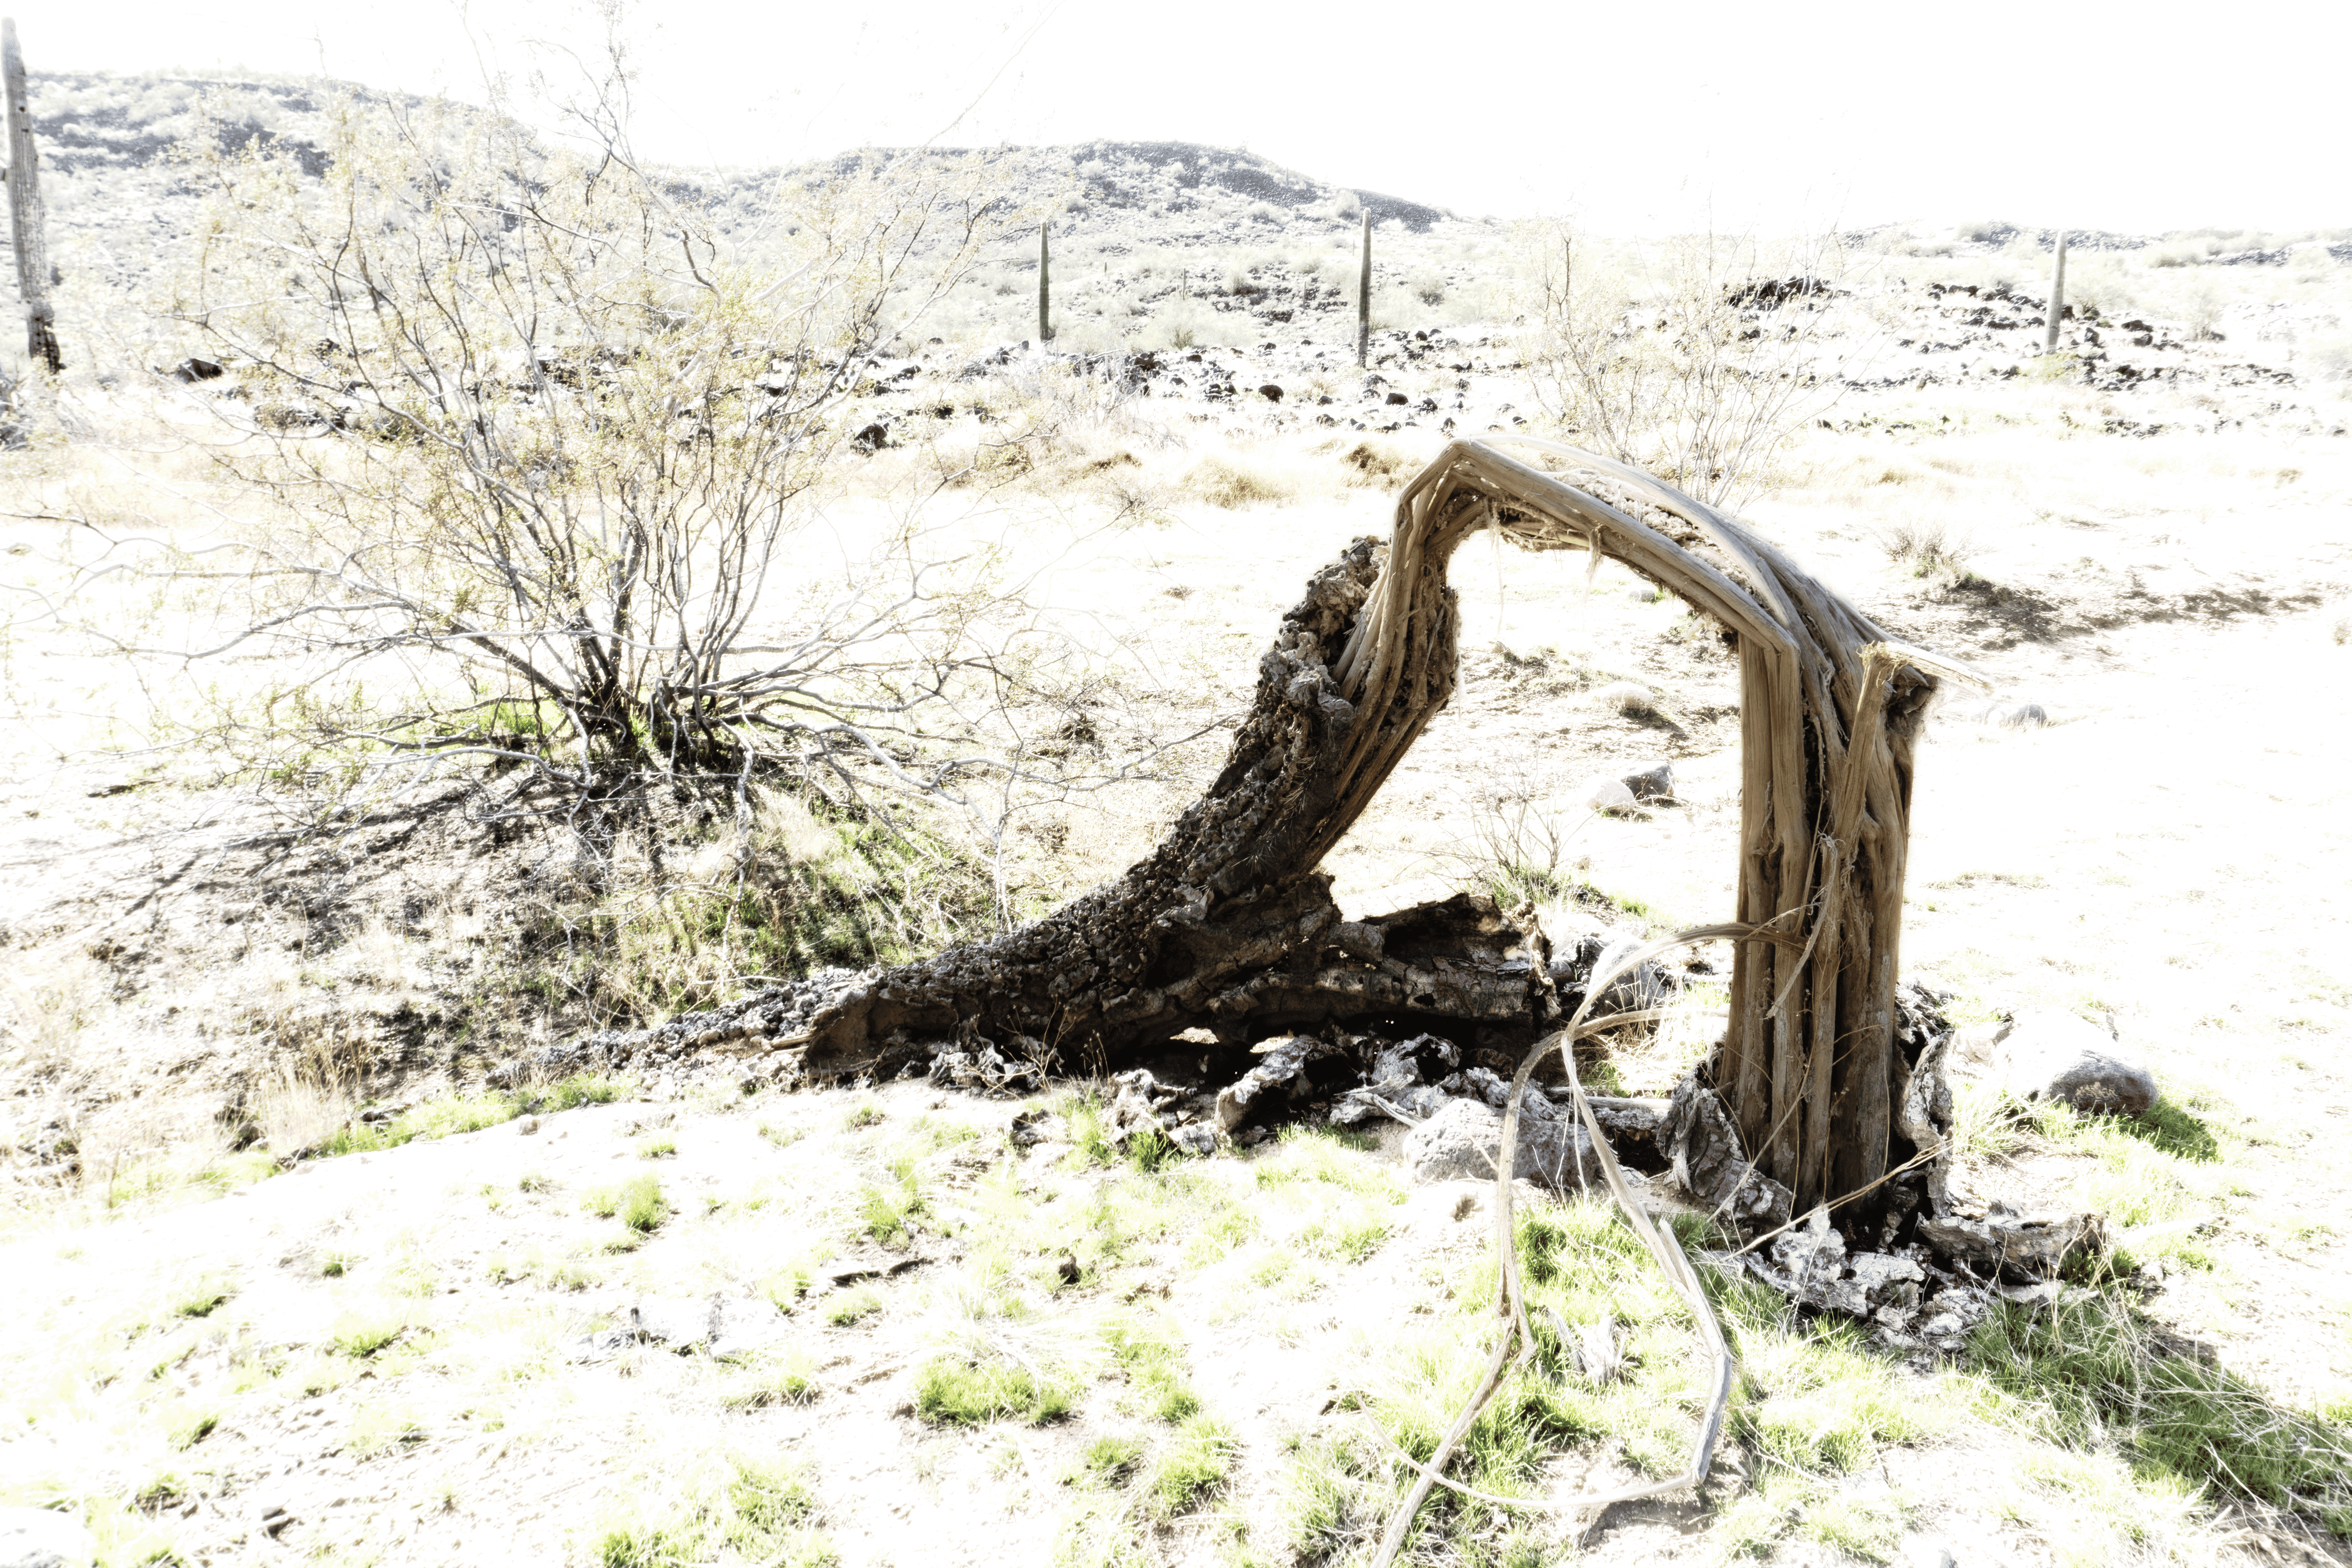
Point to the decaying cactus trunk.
(1229, 924)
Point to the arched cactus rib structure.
(1224, 922)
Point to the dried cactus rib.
(1830, 708)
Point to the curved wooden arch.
(1830, 706)
(1229, 924)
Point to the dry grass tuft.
(1234, 482)
(1926, 546)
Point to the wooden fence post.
(24, 208)
(1364, 296)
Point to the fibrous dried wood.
(1229, 924)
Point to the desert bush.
(530, 438)
(1669, 372)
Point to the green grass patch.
(1194, 1466)
(1149, 1351)
(637, 1203)
(853, 1306)
(202, 1298)
(583, 1088)
(735, 1510)
(951, 1391)
(190, 1425)
(866, 1113)
(1106, 1461)
(791, 1379)
(2090, 1372)
(362, 1336)
(167, 1179)
(658, 1149)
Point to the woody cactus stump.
(1229, 925)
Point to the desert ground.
(300, 1268)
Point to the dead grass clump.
(1375, 463)
(1232, 483)
(44, 1009)
(302, 1110)
(1926, 546)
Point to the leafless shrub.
(1689, 374)
(543, 438)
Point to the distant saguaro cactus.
(24, 208)
(2057, 297)
(1364, 296)
(1044, 283)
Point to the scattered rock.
(1035, 1125)
(1462, 1140)
(2006, 715)
(1398, 398)
(1610, 795)
(43, 1538)
(871, 1263)
(724, 1325)
(191, 370)
(1270, 392)
(1656, 783)
(1195, 1138)
(1921, 1551)
(1629, 698)
(2056, 1056)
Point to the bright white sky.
(1634, 117)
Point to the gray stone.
(1195, 1138)
(674, 1320)
(43, 1538)
(1654, 783)
(740, 1325)
(1462, 1140)
(2057, 1056)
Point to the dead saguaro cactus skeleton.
(26, 215)
(1229, 925)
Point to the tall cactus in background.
(1364, 296)
(25, 213)
(1044, 284)
(2057, 297)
